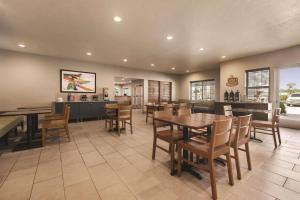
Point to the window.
(202, 90)
(258, 84)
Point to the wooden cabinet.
(81, 111)
(159, 91)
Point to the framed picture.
(77, 81)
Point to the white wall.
(184, 87)
(30, 80)
(274, 60)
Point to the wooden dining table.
(32, 124)
(193, 121)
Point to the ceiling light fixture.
(201, 49)
(125, 60)
(169, 37)
(123, 79)
(187, 71)
(22, 45)
(173, 68)
(117, 19)
(223, 57)
(88, 53)
(152, 65)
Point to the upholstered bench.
(9, 123)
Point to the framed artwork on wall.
(77, 81)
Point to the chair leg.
(119, 130)
(179, 158)
(131, 127)
(229, 168)
(248, 156)
(172, 158)
(68, 133)
(274, 137)
(191, 156)
(43, 136)
(278, 134)
(237, 163)
(146, 117)
(154, 148)
(212, 178)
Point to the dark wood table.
(193, 121)
(32, 124)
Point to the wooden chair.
(111, 114)
(48, 124)
(269, 127)
(219, 145)
(54, 115)
(124, 116)
(149, 111)
(183, 105)
(169, 135)
(241, 137)
(168, 108)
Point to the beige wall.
(184, 87)
(28, 79)
(274, 60)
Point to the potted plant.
(283, 109)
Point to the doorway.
(129, 91)
(289, 96)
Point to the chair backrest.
(243, 128)
(67, 113)
(276, 115)
(168, 107)
(183, 105)
(111, 105)
(125, 111)
(228, 111)
(221, 133)
(160, 114)
(184, 111)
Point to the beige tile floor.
(97, 164)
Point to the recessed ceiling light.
(88, 53)
(123, 79)
(22, 45)
(117, 19)
(169, 37)
(125, 60)
(187, 71)
(152, 65)
(223, 57)
(173, 68)
(201, 49)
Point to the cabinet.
(80, 111)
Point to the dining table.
(114, 108)
(31, 114)
(193, 121)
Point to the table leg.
(29, 128)
(185, 166)
(254, 137)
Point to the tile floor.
(100, 165)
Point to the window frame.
(258, 87)
(191, 82)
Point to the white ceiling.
(70, 28)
